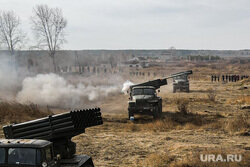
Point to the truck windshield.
(143, 92)
(184, 77)
(2, 155)
(149, 91)
(137, 92)
(26, 156)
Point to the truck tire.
(130, 113)
(157, 112)
(174, 90)
(160, 108)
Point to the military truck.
(46, 142)
(180, 81)
(144, 100)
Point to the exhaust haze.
(53, 90)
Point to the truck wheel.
(130, 113)
(157, 113)
(174, 89)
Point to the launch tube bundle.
(58, 129)
(161, 82)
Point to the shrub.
(211, 95)
(182, 105)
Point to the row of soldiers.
(88, 69)
(142, 74)
(228, 78)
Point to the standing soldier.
(226, 77)
(229, 78)
(212, 78)
(223, 77)
(218, 78)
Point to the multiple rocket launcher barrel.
(160, 82)
(181, 73)
(66, 125)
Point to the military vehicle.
(180, 81)
(144, 100)
(46, 142)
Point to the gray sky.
(147, 24)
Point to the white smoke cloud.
(52, 89)
(126, 86)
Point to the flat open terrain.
(177, 139)
(215, 123)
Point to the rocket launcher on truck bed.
(182, 73)
(143, 97)
(161, 82)
(59, 129)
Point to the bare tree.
(49, 25)
(11, 35)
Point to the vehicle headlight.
(44, 164)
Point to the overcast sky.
(147, 24)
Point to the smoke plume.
(52, 89)
(126, 86)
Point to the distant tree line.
(203, 58)
(48, 25)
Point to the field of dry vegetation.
(212, 119)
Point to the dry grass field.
(212, 126)
(208, 120)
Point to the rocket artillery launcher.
(51, 137)
(143, 98)
(180, 81)
(161, 82)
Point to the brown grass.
(244, 100)
(182, 105)
(211, 95)
(156, 160)
(13, 112)
(193, 160)
(239, 124)
(161, 125)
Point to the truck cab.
(26, 153)
(143, 100)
